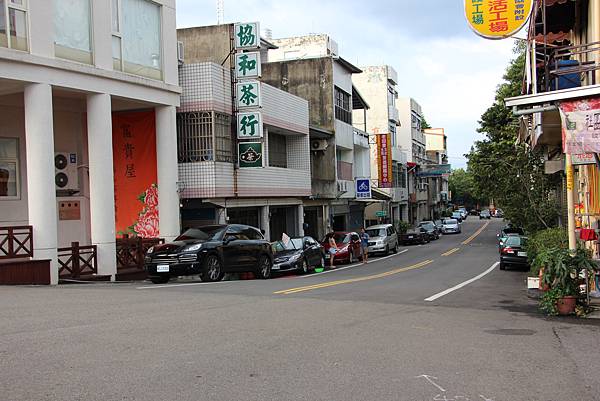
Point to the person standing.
(364, 244)
(332, 249)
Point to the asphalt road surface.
(435, 322)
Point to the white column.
(265, 218)
(102, 183)
(301, 220)
(166, 159)
(41, 196)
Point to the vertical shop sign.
(581, 126)
(135, 176)
(384, 160)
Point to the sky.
(451, 72)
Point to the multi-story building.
(377, 85)
(88, 91)
(311, 68)
(412, 139)
(436, 148)
(560, 104)
(216, 187)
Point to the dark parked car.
(302, 254)
(414, 235)
(458, 216)
(211, 251)
(431, 229)
(512, 252)
(348, 244)
(439, 224)
(485, 214)
(509, 229)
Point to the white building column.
(265, 217)
(166, 160)
(300, 220)
(41, 189)
(102, 183)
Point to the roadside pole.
(570, 203)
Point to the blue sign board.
(363, 188)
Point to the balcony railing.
(16, 242)
(344, 170)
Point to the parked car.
(498, 213)
(414, 235)
(430, 229)
(485, 214)
(382, 238)
(439, 224)
(211, 251)
(302, 254)
(451, 226)
(507, 230)
(458, 216)
(474, 212)
(463, 212)
(512, 252)
(348, 244)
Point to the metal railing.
(16, 242)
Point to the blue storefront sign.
(363, 188)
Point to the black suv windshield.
(202, 233)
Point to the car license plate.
(162, 268)
(524, 254)
(276, 267)
(410, 237)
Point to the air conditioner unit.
(180, 52)
(318, 144)
(65, 172)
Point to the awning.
(377, 193)
(358, 102)
(560, 20)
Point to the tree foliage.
(507, 171)
(462, 186)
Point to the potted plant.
(562, 271)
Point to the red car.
(348, 244)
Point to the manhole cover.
(512, 332)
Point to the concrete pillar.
(265, 218)
(300, 211)
(102, 183)
(166, 159)
(41, 197)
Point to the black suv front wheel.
(263, 270)
(212, 269)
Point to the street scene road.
(434, 322)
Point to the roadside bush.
(403, 226)
(541, 241)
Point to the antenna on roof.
(220, 11)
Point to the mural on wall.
(134, 161)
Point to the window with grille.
(277, 150)
(343, 111)
(204, 136)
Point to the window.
(196, 139)
(392, 128)
(343, 112)
(72, 30)
(13, 15)
(391, 96)
(136, 37)
(277, 150)
(9, 168)
(252, 234)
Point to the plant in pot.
(562, 271)
(403, 226)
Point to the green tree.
(462, 186)
(505, 169)
(424, 123)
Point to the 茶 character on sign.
(248, 96)
(246, 65)
(246, 35)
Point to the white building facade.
(69, 70)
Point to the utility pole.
(570, 202)
(220, 11)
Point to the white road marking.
(351, 266)
(428, 378)
(151, 287)
(461, 285)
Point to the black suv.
(211, 251)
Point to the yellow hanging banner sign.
(497, 19)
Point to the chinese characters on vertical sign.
(581, 126)
(384, 160)
(497, 19)
(247, 71)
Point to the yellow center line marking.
(472, 237)
(352, 280)
(450, 252)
